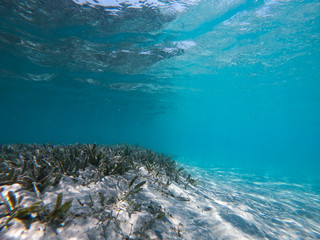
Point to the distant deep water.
(232, 84)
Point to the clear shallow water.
(232, 84)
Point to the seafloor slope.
(128, 192)
(94, 192)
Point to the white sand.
(188, 214)
(224, 205)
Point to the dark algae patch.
(115, 187)
(38, 166)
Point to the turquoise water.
(229, 88)
(220, 83)
(216, 84)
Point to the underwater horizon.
(215, 84)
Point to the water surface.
(217, 84)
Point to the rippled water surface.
(226, 84)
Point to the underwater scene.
(160, 119)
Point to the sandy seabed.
(119, 192)
(149, 198)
